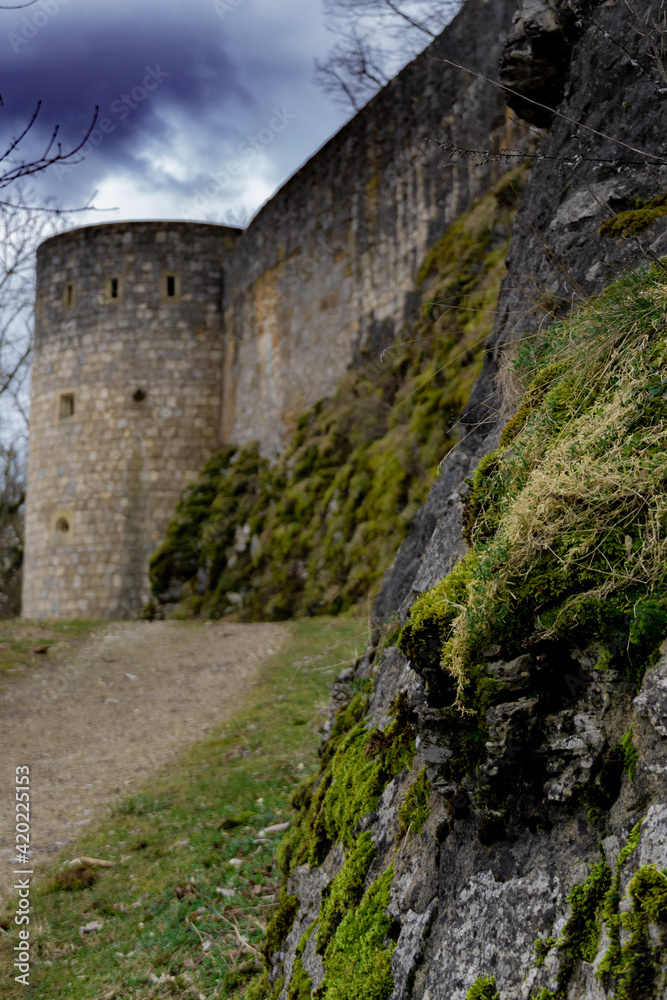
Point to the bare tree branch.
(356, 66)
(353, 72)
(12, 494)
(14, 171)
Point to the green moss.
(648, 890)
(542, 948)
(566, 521)
(305, 938)
(635, 963)
(632, 962)
(610, 909)
(346, 889)
(357, 959)
(355, 770)
(636, 219)
(484, 988)
(261, 989)
(468, 240)
(414, 809)
(630, 753)
(648, 627)
(314, 532)
(300, 984)
(281, 923)
(581, 934)
(423, 638)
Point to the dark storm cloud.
(182, 89)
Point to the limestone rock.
(651, 702)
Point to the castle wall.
(136, 382)
(326, 270)
(125, 407)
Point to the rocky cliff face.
(490, 818)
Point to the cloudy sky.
(186, 89)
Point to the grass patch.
(568, 519)
(185, 908)
(19, 639)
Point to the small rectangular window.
(66, 406)
(113, 289)
(171, 285)
(69, 295)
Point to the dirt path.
(98, 722)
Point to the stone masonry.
(125, 406)
(155, 342)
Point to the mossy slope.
(567, 521)
(315, 532)
(352, 932)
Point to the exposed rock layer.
(496, 863)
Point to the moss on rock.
(357, 959)
(314, 532)
(353, 774)
(581, 934)
(636, 219)
(567, 520)
(414, 809)
(484, 988)
(281, 923)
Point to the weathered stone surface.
(653, 840)
(409, 948)
(508, 861)
(325, 274)
(536, 58)
(490, 926)
(651, 702)
(141, 371)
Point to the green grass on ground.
(20, 638)
(182, 911)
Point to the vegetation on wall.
(354, 771)
(567, 520)
(352, 929)
(314, 532)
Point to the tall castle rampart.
(157, 341)
(326, 271)
(125, 405)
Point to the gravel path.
(97, 722)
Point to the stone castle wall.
(327, 270)
(125, 406)
(260, 325)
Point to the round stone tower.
(125, 410)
